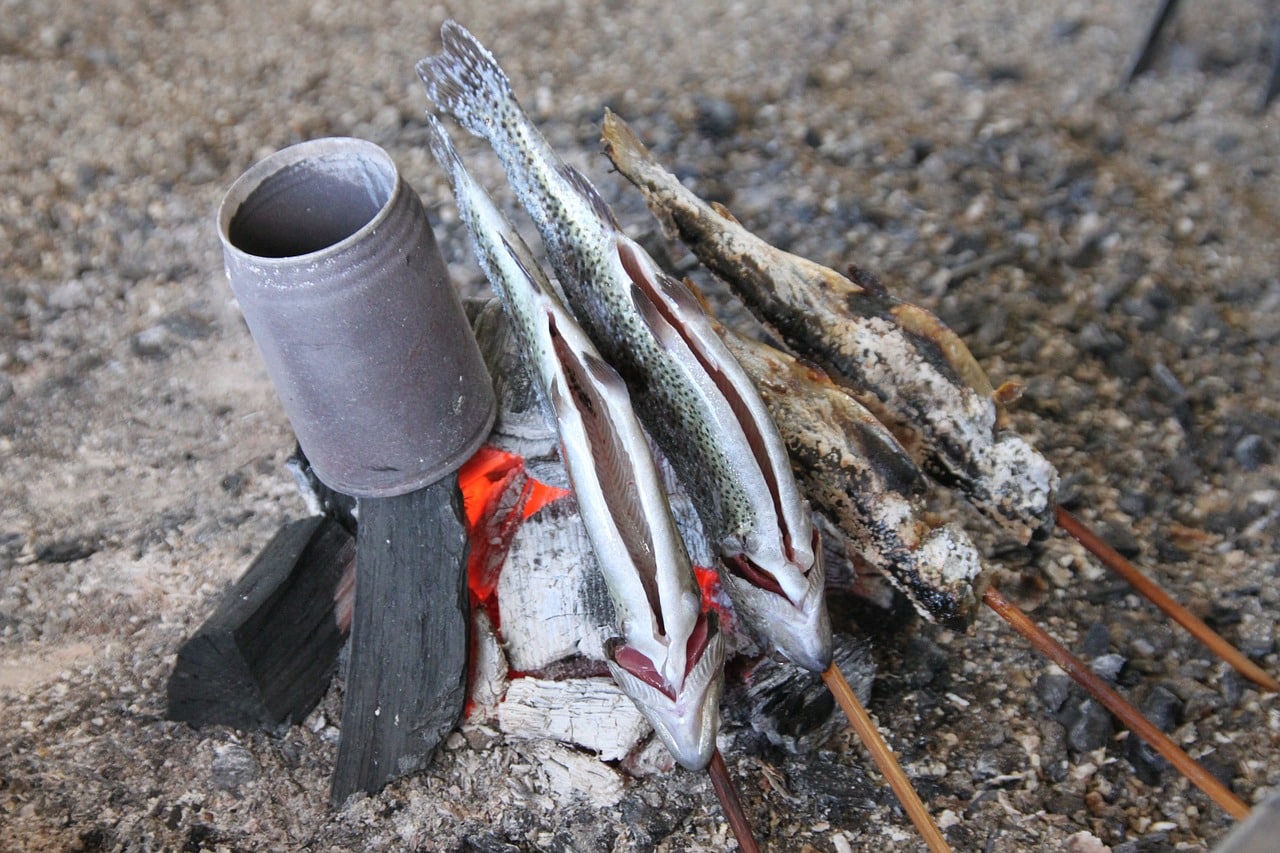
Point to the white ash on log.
(551, 596)
(592, 713)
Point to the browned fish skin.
(898, 360)
(856, 474)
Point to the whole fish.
(670, 657)
(899, 360)
(856, 474)
(693, 397)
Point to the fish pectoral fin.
(523, 259)
(675, 296)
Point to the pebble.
(1163, 708)
(233, 765)
(1053, 690)
(1108, 666)
(1097, 640)
(1198, 700)
(1251, 452)
(717, 118)
(1256, 636)
(1088, 725)
(1055, 763)
(153, 344)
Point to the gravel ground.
(1115, 251)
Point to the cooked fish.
(899, 360)
(670, 656)
(692, 396)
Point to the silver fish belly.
(897, 359)
(670, 656)
(693, 397)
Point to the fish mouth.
(686, 718)
(799, 630)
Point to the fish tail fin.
(465, 81)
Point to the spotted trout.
(670, 657)
(690, 393)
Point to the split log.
(265, 656)
(407, 679)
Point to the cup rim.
(313, 150)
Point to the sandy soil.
(1115, 251)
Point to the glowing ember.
(498, 495)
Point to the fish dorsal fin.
(724, 211)
(698, 295)
(522, 258)
(867, 280)
(585, 189)
(586, 375)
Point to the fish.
(899, 360)
(692, 396)
(669, 657)
(856, 474)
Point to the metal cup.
(337, 273)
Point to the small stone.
(1097, 641)
(1163, 709)
(6, 388)
(1086, 842)
(154, 344)
(1054, 760)
(1251, 452)
(1053, 690)
(1199, 701)
(233, 766)
(1135, 504)
(1256, 636)
(1108, 666)
(717, 117)
(1120, 537)
(1091, 727)
(233, 483)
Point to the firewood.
(266, 655)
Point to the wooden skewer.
(1115, 703)
(884, 759)
(730, 804)
(1113, 560)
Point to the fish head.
(794, 620)
(686, 717)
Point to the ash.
(1115, 251)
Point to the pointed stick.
(1146, 54)
(730, 804)
(884, 759)
(1115, 703)
(1113, 560)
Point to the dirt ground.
(1116, 251)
